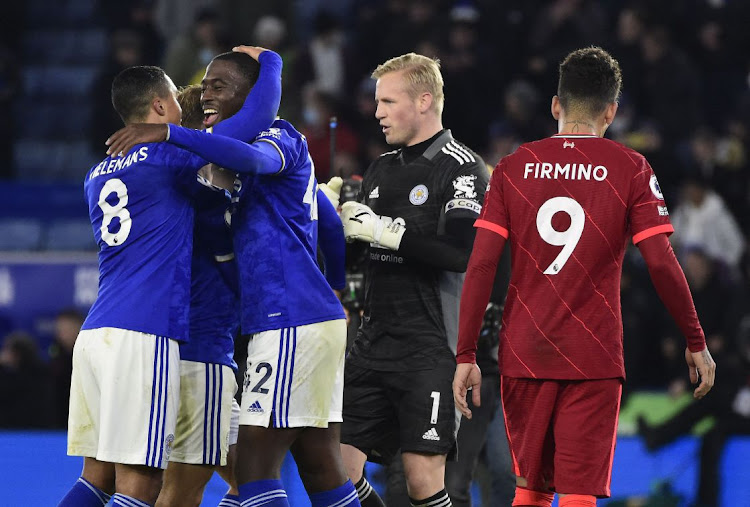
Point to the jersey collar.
(576, 136)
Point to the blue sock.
(84, 494)
(266, 493)
(128, 501)
(230, 501)
(343, 496)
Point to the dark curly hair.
(590, 80)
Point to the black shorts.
(413, 411)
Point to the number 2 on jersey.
(118, 210)
(568, 239)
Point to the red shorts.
(562, 432)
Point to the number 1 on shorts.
(435, 404)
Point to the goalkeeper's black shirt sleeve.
(449, 252)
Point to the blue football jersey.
(275, 239)
(142, 218)
(214, 306)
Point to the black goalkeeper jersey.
(411, 308)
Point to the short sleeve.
(464, 195)
(288, 147)
(494, 216)
(647, 211)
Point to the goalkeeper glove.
(332, 189)
(361, 223)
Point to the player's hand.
(332, 189)
(136, 133)
(702, 367)
(362, 224)
(252, 51)
(468, 376)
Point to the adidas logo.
(255, 407)
(431, 434)
(375, 193)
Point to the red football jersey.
(568, 205)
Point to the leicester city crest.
(418, 195)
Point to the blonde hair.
(189, 98)
(422, 75)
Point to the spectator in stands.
(318, 107)
(671, 86)
(729, 405)
(67, 326)
(189, 53)
(22, 383)
(464, 56)
(126, 51)
(702, 220)
(324, 62)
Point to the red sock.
(577, 501)
(527, 497)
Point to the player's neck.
(577, 125)
(426, 131)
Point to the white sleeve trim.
(281, 154)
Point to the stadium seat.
(58, 81)
(69, 235)
(62, 13)
(55, 121)
(20, 234)
(50, 161)
(88, 46)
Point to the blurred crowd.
(685, 106)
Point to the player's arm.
(672, 287)
(257, 113)
(448, 251)
(492, 232)
(331, 242)
(260, 157)
(262, 103)
(476, 292)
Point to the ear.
(555, 107)
(157, 105)
(610, 113)
(424, 102)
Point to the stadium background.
(685, 105)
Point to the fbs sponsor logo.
(431, 434)
(256, 408)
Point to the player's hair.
(590, 80)
(422, 74)
(189, 98)
(134, 88)
(246, 64)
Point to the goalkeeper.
(416, 211)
